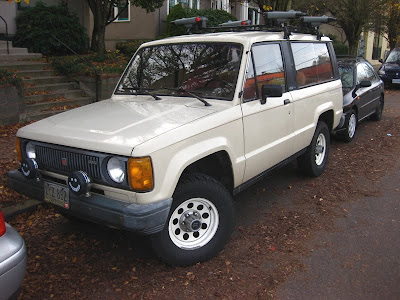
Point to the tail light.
(2, 224)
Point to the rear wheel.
(377, 116)
(200, 222)
(313, 161)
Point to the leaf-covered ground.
(276, 219)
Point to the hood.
(116, 126)
(389, 66)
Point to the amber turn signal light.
(140, 172)
(18, 148)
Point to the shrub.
(215, 17)
(111, 63)
(36, 25)
(9, 79)
(128, 48)
(340, 48)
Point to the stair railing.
(96, 73)
(8, 48)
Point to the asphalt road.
(361, 259)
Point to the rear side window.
(268, 68)
(313, 63)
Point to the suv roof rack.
(276, 21)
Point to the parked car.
(193, 121)
(363, 94)
(389, 72)
(12, 260)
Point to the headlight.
(30, 150)
(140, 173)
(116, 169)
(381, 72)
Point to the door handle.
(285, 102)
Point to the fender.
(169, 163)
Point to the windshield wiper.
(181, 89)
(139, 90)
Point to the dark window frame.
(284, 62)
(335, 71)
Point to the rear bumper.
(12, 269)
(342, 122)
(144, 219)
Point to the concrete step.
(3, 50)
(3, 44)
(50, 87)
(44, 107)
(38, 116)
(35, 73)
(13, 57)
(24, 65)
(47, 80)
(53, 95)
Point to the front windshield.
(346, 75)
(394, 57)
(208, 70)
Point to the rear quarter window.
(312, 62)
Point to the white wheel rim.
(352, 126)
(320, 149)
(193, 223)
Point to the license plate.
(56, 194)
(395, 80)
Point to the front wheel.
(313, 161)
(351, 126)
(199, 224)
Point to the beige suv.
(193, 121)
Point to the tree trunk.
(353, 47)
(100, 13)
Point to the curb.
(28, 206)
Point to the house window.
(123, 11)
(185, 3)
(253, 15)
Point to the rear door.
(268, 128)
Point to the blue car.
(389, 72)
(12, 260)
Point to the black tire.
(169, 243)
(349, 133)
(309, 162)
(377, 116)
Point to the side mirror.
(365, 83)
(270, 90)
(381, 60)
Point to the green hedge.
(128, 48)
(340, 48)
(111, 63)
(36, 25)
(215, 17)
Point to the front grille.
(67, 162)
(393, 74)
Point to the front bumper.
(144, 219)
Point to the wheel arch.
(328, 118)
(217, 165)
